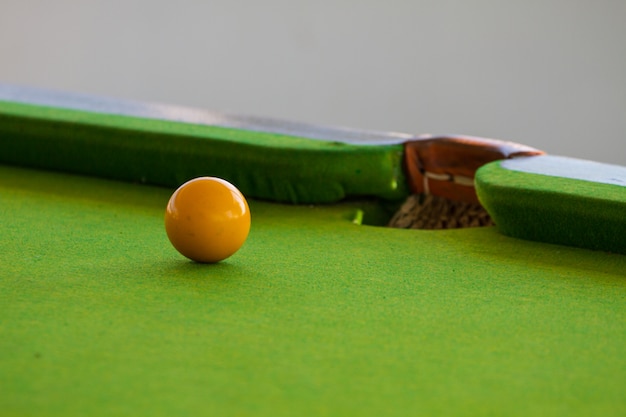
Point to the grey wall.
(551, 74)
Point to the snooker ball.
(207, 219)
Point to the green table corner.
(315, 315)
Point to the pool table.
(319, 313)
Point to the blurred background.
(547, 73)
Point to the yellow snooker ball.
(207, 219)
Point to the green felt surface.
(555, 209)
(314, 316)
(167, 153)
